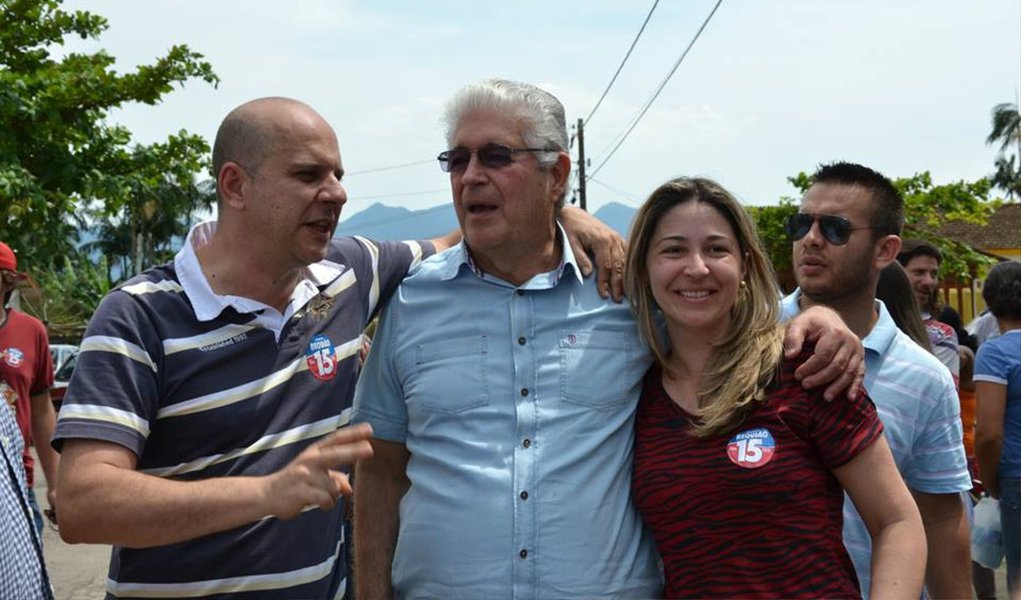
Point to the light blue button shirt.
(916, 401)
(517, 407)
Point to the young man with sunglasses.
(847, 230)
(502, 390)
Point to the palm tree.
(1006, 131)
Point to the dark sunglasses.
(491, 156)
(836, 230)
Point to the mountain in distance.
(382, 222)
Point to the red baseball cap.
(8, 260)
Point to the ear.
(887, 249)
(232, 183)
(560, 170)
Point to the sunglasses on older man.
(836, 230)
(491, 156)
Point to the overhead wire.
(403, 194)
(655, 95)
(622, 63)
(616, 191)
(391, 168)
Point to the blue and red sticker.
(321, 358)
(752, 448)
(13, 357)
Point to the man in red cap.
(26, 375)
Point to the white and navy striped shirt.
(201, 386)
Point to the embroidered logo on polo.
(321, 358)
(14, 357)
(752, 448)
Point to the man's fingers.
(617, 273)
(346, 435)
(793, 339)
(330, 457)
(845, 382)
(341, 447)
(584, 263)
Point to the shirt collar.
(208, 305)
(462, 260)
(883, 331)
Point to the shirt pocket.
(594, 367)
(450, 375)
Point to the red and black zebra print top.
(755, 512)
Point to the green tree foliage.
(927, 208)
(64, 298)
(769, 221)
(1006, 122)
(1007, 133)
(59, 154)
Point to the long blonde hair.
(745, 360)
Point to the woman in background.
(739, 472)
(894, 290)
(998, 411)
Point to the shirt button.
(527, 443)
(521, 293)
(523, 554)
(524, 495)
(521, 341)
(524, 392)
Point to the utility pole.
(581, 165)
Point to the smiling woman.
(735, 463)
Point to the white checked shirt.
(22, 570)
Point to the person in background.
(983, 328)
(951, 317)
(998, 423)
(26, 376)
(921, 260)
(22, 568)
(983, 578)
(735, 463)
(846, 231)
(894, 290)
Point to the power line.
(402, 194)
(615, 190)
(391, 168)
(658, 90)
(626, 56)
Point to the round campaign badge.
(752, 448)
(321, 358)
(13, 357)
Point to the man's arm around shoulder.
(380, 483)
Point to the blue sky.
(772, 87)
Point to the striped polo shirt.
(201, 386)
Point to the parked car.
(60, 353)
(61, 378)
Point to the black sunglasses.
(836, 230)
(491, 156)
